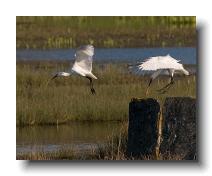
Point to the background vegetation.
(120, 31)
(40, 101)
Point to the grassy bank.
(40, 102)
(70, 32)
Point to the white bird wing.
(152, 64)
(84, 58)
(160, 62)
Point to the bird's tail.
(92, 75)
(185, 71)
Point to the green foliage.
(43, 102)
(104, 31)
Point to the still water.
(77, 135)
(187, 55)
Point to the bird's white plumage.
(83, 62)
(84, 57)
(160, 62)
(159, 65)
(163, 63)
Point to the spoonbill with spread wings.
(161, 65)
(82, 65)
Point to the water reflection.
(78, 136)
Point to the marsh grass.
(43, 102)
(101, 31)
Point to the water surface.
(77, 136)
(187, 55)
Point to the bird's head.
(59, 74)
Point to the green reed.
(101, 31)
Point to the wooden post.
(142, 130)
(179, 127)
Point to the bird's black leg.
(147, 90)
(166, 87)
(172, 80)
(91, 86)
(150, 82)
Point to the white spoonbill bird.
(161, 65)
(82, 65)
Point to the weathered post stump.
(179, 127)
(142, 130)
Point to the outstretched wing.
(160, 62)
(152, 64)
(84, 57)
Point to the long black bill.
(55, 76)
